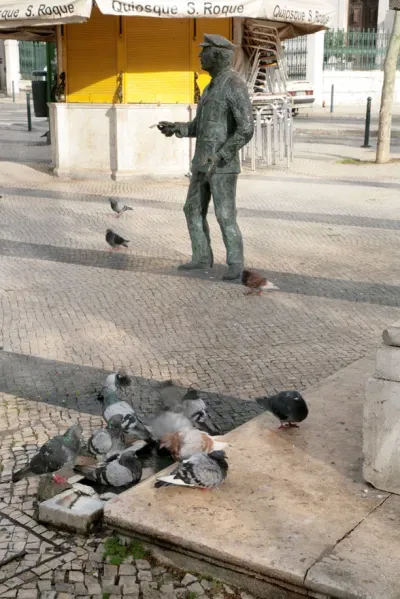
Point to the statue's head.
(216, 53)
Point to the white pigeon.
(166, 422)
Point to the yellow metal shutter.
(202, 26)
(158, 61)
(91, 51)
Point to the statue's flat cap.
(217, 41)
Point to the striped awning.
(302, 16)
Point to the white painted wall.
(11, 48)
(354, 87)
(90, 139)
(340, 18)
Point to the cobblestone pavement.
(326, 233)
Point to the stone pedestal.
(381, 434)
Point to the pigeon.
(167, 422)
(130, 423)
(119, 471)
(185, 443)
(119, 379)
(256, 282)
(115, 241)
(201, 470)
(288, 406)
(119, 207)
(190, 405)
(195, 409)
(59, 451)
(108, 441)
(115, 381)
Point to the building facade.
(358, 15)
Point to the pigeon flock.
(180, 428)
(255, 282)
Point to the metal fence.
(296, 57)
(355, 50)
(32, 57)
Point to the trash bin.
(39, 93)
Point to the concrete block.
(381, 434)
(391, 336)
(84, 489)
(71, 511)
(388, 363)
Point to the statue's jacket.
(223, 123)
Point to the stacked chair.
(272, 107)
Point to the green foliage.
(116, 552)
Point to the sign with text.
(43, 12)
(295, 11)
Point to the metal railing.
(296, 57)
(355, 50)
(32, 57)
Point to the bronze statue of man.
(223, 124)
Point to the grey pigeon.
(119, 207)
(201, 470)
(119, 471)
(108, 441)
(114, 240)
(189, 404)
(130, 423)
(116, 380)
(288, 406)
(59, 451)
(167, 422)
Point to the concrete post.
(315, 60)
(381, 430)
(2, 67)
(11, 48)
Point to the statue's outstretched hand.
(167, 128)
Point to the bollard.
(332, 94)
(367, 124)
(28, 110)
(13, 91)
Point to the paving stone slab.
(287, 498)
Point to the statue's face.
(206, 58)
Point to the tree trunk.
(389, 80)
